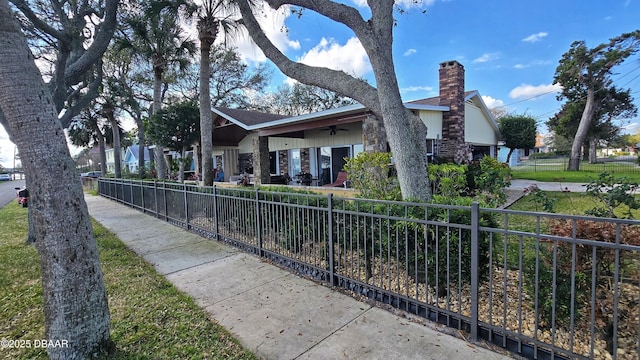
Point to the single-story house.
(130, 159)
(460, 128)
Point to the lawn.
(555, 170)
(150, 319)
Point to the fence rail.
(626, 164)
(541, 285)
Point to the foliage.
(540, 198)
(176, 127)
(494, 177)
(448, 180)
(300, 99)
(69, 45)
(585, 75)
(369, 174)
(613, 193)
(518, 132)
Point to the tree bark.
(405, 131)
(509, 156)
(593, 146)
(161, 164)
(206, 122)
(75, 300)
(142, 169)
(581, 133)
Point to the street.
(8, 192)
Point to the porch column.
(374, 135)
(261, 173)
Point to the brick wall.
(452, 145)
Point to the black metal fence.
(541, 285)
(626, 164)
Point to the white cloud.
(521, 66)
(350, 57)
(491, 102)
(535, 37)
(410, 52)
(485, 57)
(272, 23)
(526, 91)
(416, 88)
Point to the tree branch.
(41, 25)
(334, 80)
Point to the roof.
(246, 117)
(255, 120)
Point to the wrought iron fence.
(623, 164)
(541, 285)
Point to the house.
(130, 158)
(460, 128)
(111, 167)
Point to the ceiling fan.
(333, 129)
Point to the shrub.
(494, 177)
(369, 174)
(448, 180)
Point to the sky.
(510, 49)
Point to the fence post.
(258, 227)
(155, 197)
(215, 211)
(164, 198)
(332, 279)
(475, 253)
(186, 205)
(142, 204)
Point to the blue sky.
(510, 49)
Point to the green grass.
(555, 170)
(582, 176)
(150, 319)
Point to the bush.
(448, 180)
(494, 177)
(369, 174)
(542, 155)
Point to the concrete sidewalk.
(274, 313)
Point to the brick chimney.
(452, 146)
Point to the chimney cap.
(450, 63)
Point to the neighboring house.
(111, 167)
(130, 158)
(460, 128)
(521, 154)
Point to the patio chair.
(340, 180)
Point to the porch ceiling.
(228, 135)
(296, 130)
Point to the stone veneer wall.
(283, 159)
(374, 135)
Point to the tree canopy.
(584, 74)
(518, 132)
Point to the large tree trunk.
(581, 133)
(406, 133)
(206, 124)
(141, 145)
(161, 164)
(115, 131)
(593, 146)
(75, 300)
(509, 156)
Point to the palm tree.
(213, 17)
(158, 37)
